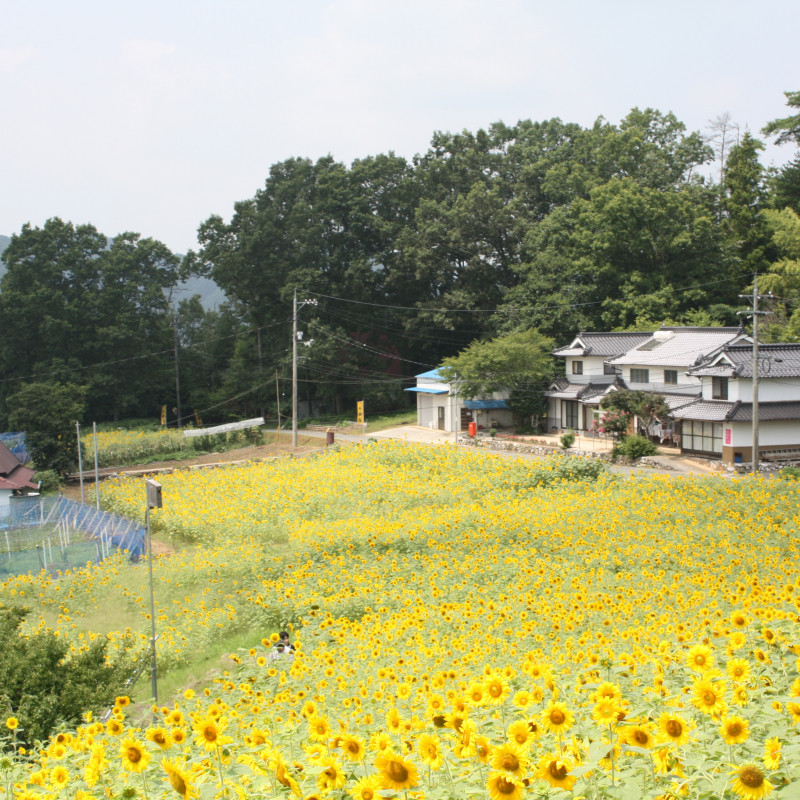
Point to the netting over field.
(53, 533)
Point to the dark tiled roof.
(774, 361)
(675, 401)
(685, 347)
(767, 412)
(599, 343)
(705, 411)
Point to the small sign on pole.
(153, 493)
(163, 415)
(360, 412)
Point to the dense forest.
(398, 264)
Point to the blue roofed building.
(439, 406)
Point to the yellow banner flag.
(360, 412)
(163, 415)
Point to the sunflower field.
(465, 625)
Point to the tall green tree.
(76, 307)
(519, 363)
(745, 196)
(48, 412)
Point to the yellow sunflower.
(59, 777)
(511, 758)
(673, 729)
(396, 772)
(353, 747)
(557, 718)
(555, 771)
(606, 711)
(502, 786)
(639, 736)
(208, 733)
(519, 733)
(365, 789)
(739, 670)
(497, 690)
(772, 753)
(160, 737)
(429, 751)
(134, 756)
(750, 782)
(319, 729)
(709, 697)
(178, 779)
(700, 658)
(12, 723)
(734, 730)
(331, 777)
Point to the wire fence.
(56, 534)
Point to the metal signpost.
(153, 501)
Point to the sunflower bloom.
(331, 777)
(319, 729)
(750, 782)
(738, 670)
(353, 748)
(557, 718)
(429, 751)
(555, 771)
(178, 779)
(160, 737)
(497, 690)
(639, 736)
(365, 789)
(519, 733)
(734, 730)
(772, 753)
(502, 786)
(510, 758)
(606, 711)
(396, 772)
(134, 756)
(208, 733)
(700, 658)
(673, 729)
(709, 697)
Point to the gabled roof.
(605, 344)
(774, 361)
(12, 474)
(723, 411)
(679, 347)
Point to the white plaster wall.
(770, 434)
(5, 500)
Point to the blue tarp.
(484, 405)
(15, 442)
(426, 390)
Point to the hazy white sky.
(151, 116)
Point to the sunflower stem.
(144, 784)
(611, 739)
(219, 768)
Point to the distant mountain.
(4, 242)
(211, 296)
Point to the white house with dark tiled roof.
(720, 421)
(661, 362)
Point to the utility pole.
(754, 298)
(294, 369)
(177, 369)
(294, 361)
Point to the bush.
(49, 480)
(635, 446)
(790, 473)
(567, 440)
(43, 686)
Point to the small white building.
(439, 406)
(14, 478)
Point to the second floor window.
(670, 376)
(640, 375)
(719, 388)
(577, 367)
